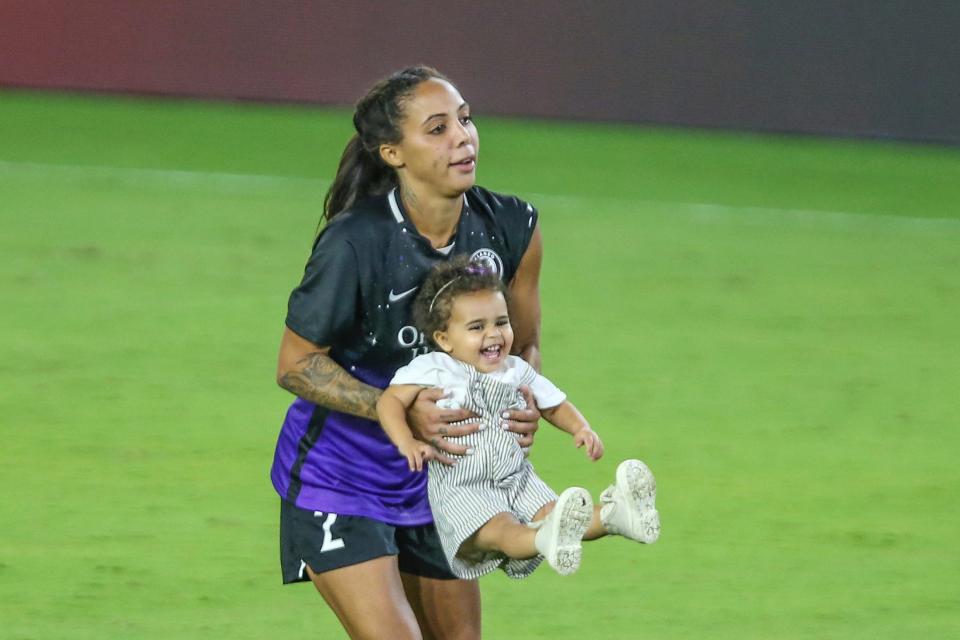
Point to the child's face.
(479, 331)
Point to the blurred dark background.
(885, 68)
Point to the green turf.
(770, 322)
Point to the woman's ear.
(391, 155)
(440, 337)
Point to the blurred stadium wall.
(880, 68)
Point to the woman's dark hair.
(377, 119)
(445, 282)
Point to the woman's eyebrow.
(435, 115)
(443, 115)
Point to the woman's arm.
(306, 370)
(525, 302)
(525, 319)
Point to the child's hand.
(588, 438)
(416, 453)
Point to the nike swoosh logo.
(393, 297)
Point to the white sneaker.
(628, 505)
(558, 538)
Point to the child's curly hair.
(446, 281)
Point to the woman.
(354, 520)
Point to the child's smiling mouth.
(492, 353)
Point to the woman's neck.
(435, 217)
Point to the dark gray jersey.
(356, 297)
(368, 263)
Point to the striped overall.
(496, 478)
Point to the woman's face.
(438, 151)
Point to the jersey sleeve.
(518, 219)
(515, 221)
(323, 308)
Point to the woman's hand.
(432, 424)
(588, 438)
(524, 422)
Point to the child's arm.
(392, 412)
(567, 417)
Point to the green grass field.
(773, 323)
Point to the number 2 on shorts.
(329, 542)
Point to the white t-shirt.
(437, 369)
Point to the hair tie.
(478, 269)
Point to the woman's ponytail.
(359, 175)
(377, 119)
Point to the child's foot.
(628, 505)
(558, 539)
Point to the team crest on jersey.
(490, 259)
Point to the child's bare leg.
(504, 533)
(544, 511)
(594, 531)
(596, 528)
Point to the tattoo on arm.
(322, 381)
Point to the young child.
(490, 508)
